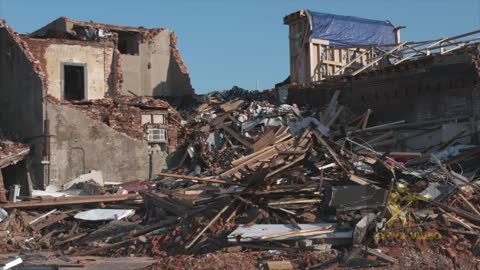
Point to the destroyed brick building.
(374, 163)
(122, 71)
(435, 80)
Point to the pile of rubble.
(274, 187)
(122, 113)
(9, 148)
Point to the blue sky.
(226, 43)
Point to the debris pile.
(122, 113)
(9, 148)
(297, 188)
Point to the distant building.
(322, 44)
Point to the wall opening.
(74, 82)
(128, 42)
(16, 175)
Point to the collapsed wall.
(21, 89)
(79, 145)
(157, 70)
(431, 88)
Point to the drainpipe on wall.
(150, 162)
(46, 142)
(47, 147)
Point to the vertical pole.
(3, 192)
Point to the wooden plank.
(406, 154)
(330, 150)
(237, 137)
(267, 154)
(255, 154)
(359, 180)
(71, 201)
(209, 225)
(286, 166)
(218, 121)
(49, 221)
(201, 179)
(279, 265)
(231, 105)
(266, 140)
(12, 159)
(317, 230)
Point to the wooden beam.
(266, 140)
(200, 179)
(238, 137)
(71, 201)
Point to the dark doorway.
(16, 174)
(74, 82)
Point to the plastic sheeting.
(346, 31)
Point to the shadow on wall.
(177, 84)
(113, 84)
(162, 90)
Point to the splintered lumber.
(73, 238)
(451, 175)
(105, 247)
(286, 166)
(200, 179)
(42, 216)
(231, 105)
(330, 150)
(382, 256)
(365, 119)
(208, 226)
(280, 265)
(469, 204)
(218, 122)
(49, 221)
(359, 180)
(458, 211)
(267, 153)
(319, 230)
(405, 154)
(71, 201)
(12, 159)
(266, 140)
(288, 232)
(237, 137)
(294, 202)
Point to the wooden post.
(3, 192)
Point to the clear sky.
(226, 43)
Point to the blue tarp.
(346, 31)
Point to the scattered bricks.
(421, 244)
(385, 250)
(372, 257)
(395, 252)
(460, 247)
(451, 254)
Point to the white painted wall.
(97, 64)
